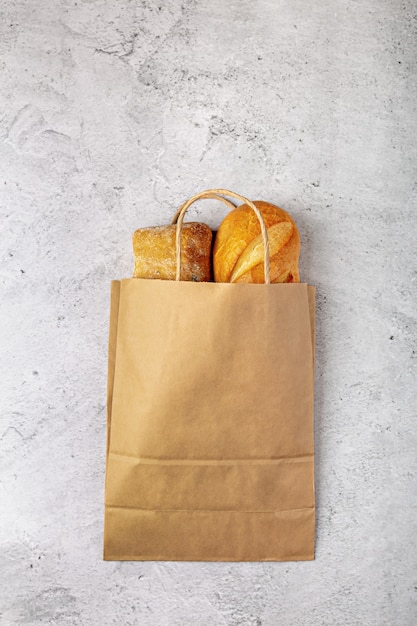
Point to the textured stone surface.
(111, 114)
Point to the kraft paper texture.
(210, 449)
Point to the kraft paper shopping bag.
(210, 450)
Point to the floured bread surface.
(155, 253)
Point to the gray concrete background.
(112, 114)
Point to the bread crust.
(238, 247)
(155, 252)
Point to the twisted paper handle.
(218, 195)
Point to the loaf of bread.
(155, 252)
(239, 250)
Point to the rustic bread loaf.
(239, 251)
(154, 252)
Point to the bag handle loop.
(218, 195)
(209, 194)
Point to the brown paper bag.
(210, 452)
